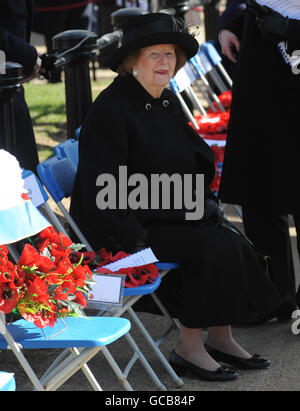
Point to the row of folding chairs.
(205, 73)
(58, 174)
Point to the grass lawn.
(47, 107)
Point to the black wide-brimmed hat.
(150, 29)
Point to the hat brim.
(188, 44)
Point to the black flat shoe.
(183, 367)
(253, 363)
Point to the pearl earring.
(135, 72)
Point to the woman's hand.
(230, 44)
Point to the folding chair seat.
(7, 381)
(82, 339)
(58, 175)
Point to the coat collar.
(140, 98)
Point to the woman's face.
(155, 67)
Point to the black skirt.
(220, 280)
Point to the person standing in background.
(51, 17)
(260, 170)
(15, 28)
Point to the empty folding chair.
(58, 175)
(83, 339)
(212, 63)
(197, 71)
(179, 83)
(39, 197)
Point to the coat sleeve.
(235, 25)
(103, 149)
(18, 51)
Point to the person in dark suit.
(138, 124)
(234, 8)
(15, 28)
(51, 17)
(260, 170)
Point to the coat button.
(148, 106)
(165, 103)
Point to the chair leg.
(88, 373)
(122, 378)
(164, 311)
(22, 360)
(68, 367)
(145, 363)
(178, 381)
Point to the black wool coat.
(218, 268)
(262, 154)
(15, 28)
(128, 127)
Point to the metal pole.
(76, 48)
(9, 87)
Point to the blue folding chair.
(7, 382)
(82, 339)
(58, 175)
(39, 197)
(77, 133)
(69, 149)
(197, 72)
(212, 64)
(179, 83)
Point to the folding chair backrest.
(39, 197)
(35, 190)
(208, 93)
(58, 175)
(212, 63)
(179, 83)
(77, 132)
(69, 149)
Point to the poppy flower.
(8, 299)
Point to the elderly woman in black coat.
(134, 132)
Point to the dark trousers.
(268, 229)
(25, 148)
